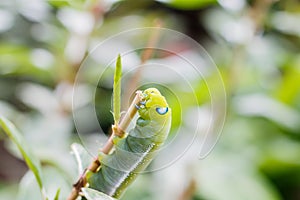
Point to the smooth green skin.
(135, 152)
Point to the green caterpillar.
(133, 153)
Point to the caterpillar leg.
(137, 107)
(101, 155)
(117, 139)
(143, 103)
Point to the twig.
(146, 55)
(258, 12)
(188, 191)
(118, 130)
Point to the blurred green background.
(255, 45)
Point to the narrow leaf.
(57, 194)
(83, 158)
(117, 90)
(91, 194)
(31, 161)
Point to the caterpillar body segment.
(134, 153)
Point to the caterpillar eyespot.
(162, 111)
(135, 152)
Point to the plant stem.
(146, 55)
(189, 191)
(118, 130)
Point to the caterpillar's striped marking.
(133, 153)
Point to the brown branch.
(118, 130)
(259, 11)
(189, 191)
(146, 55)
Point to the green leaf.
(117, 90)
(91, 194)
(57, 195)
(58, 4)
(188, 4)
(53, 179)
(31, 161)
(239, 180)
(83, 158)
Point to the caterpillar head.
(154, 105)
(155, 116)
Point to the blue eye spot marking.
(162, 111)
